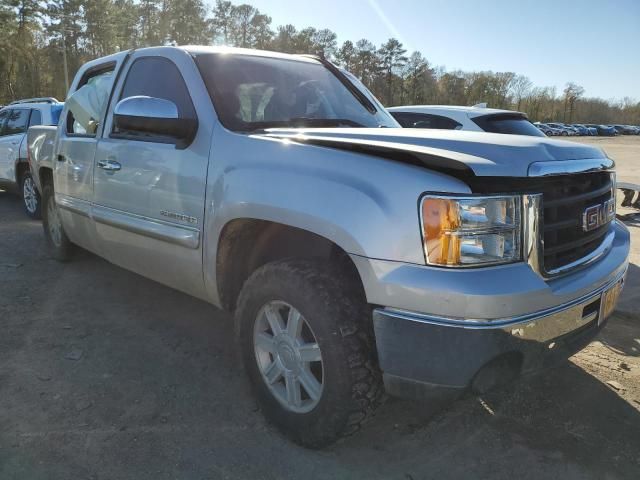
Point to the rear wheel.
(307, 346)
(58, 243)
(30, 196)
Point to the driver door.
(149, 195)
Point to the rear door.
(13, 133)
(78, 139)
(150, 211)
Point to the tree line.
(38, 36)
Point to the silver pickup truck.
(357, 257)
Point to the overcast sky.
(595, 43)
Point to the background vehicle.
(605, 130)
(563, 129)
(581, 129)
(478, 119)
(547, 130)
(624, 129)
(15, 119)
(224, 173)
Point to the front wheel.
(58, 243)
(307, 345)
(30, 196)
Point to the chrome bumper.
(423, 354)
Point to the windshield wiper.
(324, 122)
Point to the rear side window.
(56, 110)
(160, 78)
(507, 123)
(87, 105)
(36, 118)
(425, 120)
(17, 121)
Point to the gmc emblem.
(598, 215)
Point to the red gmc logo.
(598, 215)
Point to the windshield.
(254, 92)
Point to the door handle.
(109, 165)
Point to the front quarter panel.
(366, 205)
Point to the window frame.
(28, 110)
(31, 115)
(86, 76)
(431, 116)
(2, 123)
(159, 139)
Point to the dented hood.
(474, 153)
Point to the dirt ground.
(106, 375)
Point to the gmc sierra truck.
(357, 257)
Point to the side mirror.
(157, 119)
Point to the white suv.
(477, 118)
(15, 119)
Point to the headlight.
(471, 231)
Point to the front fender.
(366, 205)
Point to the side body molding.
(177, 234)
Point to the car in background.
(604, 130)
(592, 131)
(582, 130)
(546, 129)
(477, 118)
(15, 119)
(564, 130)
(625, 129)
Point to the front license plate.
(609, 300)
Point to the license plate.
(609, 300)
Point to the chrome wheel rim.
(288, 356)
(53, 223)
(29, 195)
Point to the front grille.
(565, 241)
(564, 200)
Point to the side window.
(36, 118)
(160, 78)
(4, 114)
(87, 105)
(17, 121)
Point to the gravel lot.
(106, 375)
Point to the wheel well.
(247, 244)
(46, 176)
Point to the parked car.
(549, 131)
(624, 129)
(15, 118)
(581, 129)
(591, 131)
(605, 130)
(355, 259)
(476, 118)
(563, 129)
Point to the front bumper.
(443, 331)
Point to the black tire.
(60, 247)
(341, 323)
(564, 134)
(30, 196)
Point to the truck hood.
(475, 153)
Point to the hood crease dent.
(460, 154)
